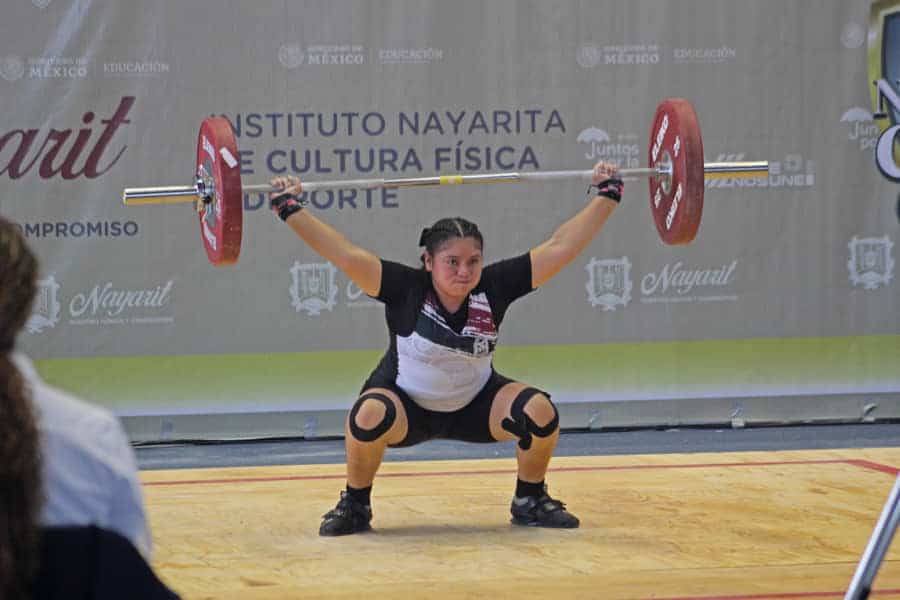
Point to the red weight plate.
(221, 220)
(675, 138)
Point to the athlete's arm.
(549, 258)
(360, 265)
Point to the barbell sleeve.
(733, 170)
(160, 195)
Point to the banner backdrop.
(788, 291)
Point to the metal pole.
(878, 546)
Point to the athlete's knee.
(532, 414)
(372, 416)
(541, 410)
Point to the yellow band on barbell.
(451, 179)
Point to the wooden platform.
(739, 526)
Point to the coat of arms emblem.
(45, 312)
(313, 287)
(870, 263)
(609, 282)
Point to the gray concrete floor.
(683, 440)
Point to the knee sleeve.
(370, 435)
(522, 426)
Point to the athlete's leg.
(376, 420)
(527, 415)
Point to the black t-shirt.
(443, 359)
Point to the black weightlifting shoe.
(349, 516)
(542, 511)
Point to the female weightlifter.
(436, 379)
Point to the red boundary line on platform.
(780, 596)
(864, 464)
(867, 464)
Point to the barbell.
(677, 173)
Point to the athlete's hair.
(20, 462)
(434, 237)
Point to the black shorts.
(471, 423)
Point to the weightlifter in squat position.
(436, 379)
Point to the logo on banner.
(621, 149)
(871, 264)
(46, 67)
(106, 304)
(27, 148)
(409, 56)
(682, 283)
(863, 128)
(591, 55)
(792, 172)
(135, 68)
(609, 282)
(703, 55)
(588, 56)
(884, 71)
(291, 56)
(45, 313)
(313, 287)
(12, 68)
(102, 305)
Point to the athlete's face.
(455, 268)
